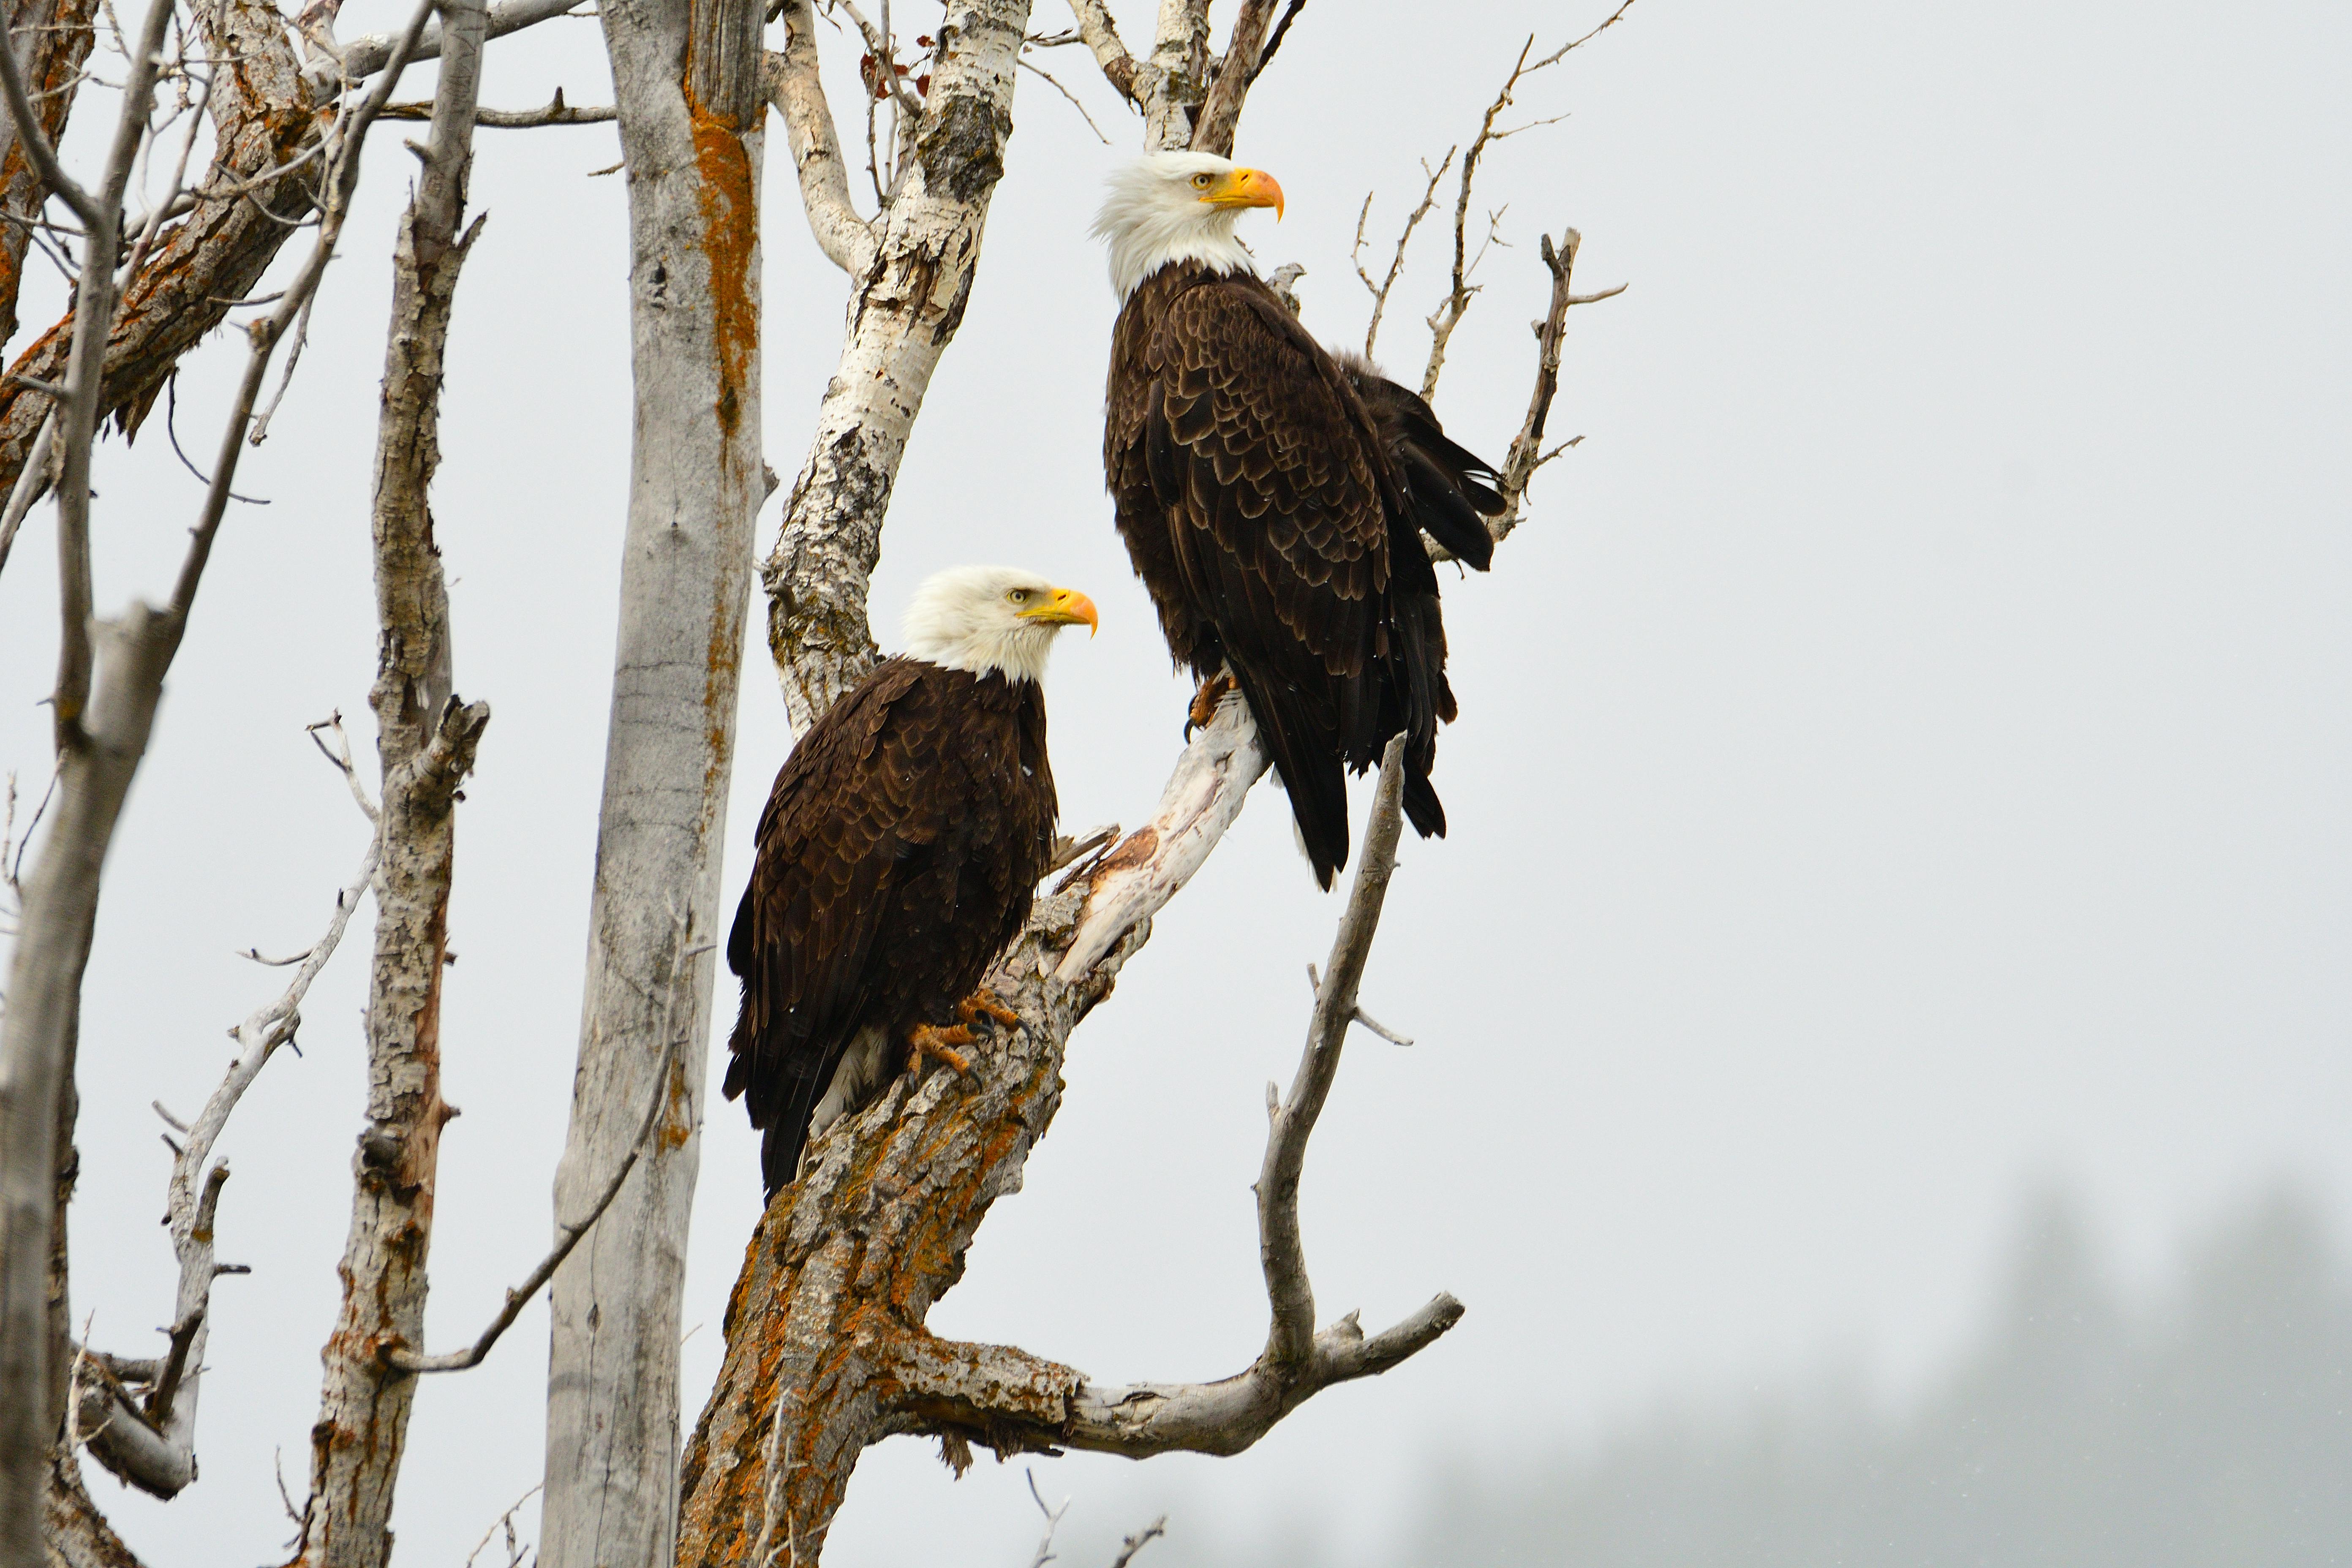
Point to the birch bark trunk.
(686, 79)
(427, 740)
(904, 310)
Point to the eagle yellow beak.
(1066, 607)
(1246, 188)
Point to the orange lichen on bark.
(828, 1314)
(730, 238)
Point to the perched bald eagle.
(897, 854)
(1273, 496)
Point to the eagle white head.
(1178, 206)
(984, 618)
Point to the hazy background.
(1898, 814)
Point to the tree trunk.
(905, 310)
(686, 79)
(426, 740)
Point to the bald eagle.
(1273, 496)
(897, 854)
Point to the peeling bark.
(265, 117)
(427, 740)
(848, 1260)
(904, 310)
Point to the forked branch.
(1007, 1399)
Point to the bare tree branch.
(107, 698)
(1556, 54)
(31, 136)
(1379, 292)
(369, 53)
(1102, 36)
(797, 90)
(1450, 311)
(557, 112)
(1266, 59)
(53, 39)
(1065, 92)
(567, 1237)
(1222, 111)
(1526, 454)
(154, 1448)
(264, 120)
(428, 740)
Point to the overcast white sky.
(1902, 760)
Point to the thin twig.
(567, 1235)
(1556, 55)
(1053, 1521)
(1379, 292)
(171, 432)
(1065, 92)
(340, 757)
(1158, 1527)
(506, 1519)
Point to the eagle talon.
(986, 1001)
(1204, 701)
(928, 1040)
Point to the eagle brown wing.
(1277, 511)
(855, 814)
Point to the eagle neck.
(1143, 255)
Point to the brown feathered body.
(1271, 497)
(898, 853)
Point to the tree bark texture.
(687, 83)
(847, 1261)
(264, 118)
(52, 39)
(78, 1535)
(905, 307)
(427, 740)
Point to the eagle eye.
(1018, 596)
(1202, 181)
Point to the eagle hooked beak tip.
(1249, 188)
(1067, 607)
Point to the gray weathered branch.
(568, 1235)
(1010, 1399)
(426, 740)
(555, 112)
(369, 53)
(1528, 454)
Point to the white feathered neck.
(1153, 217)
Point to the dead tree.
(827, 1348)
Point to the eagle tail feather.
(1308, 762)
